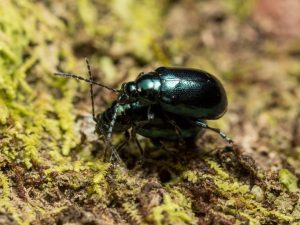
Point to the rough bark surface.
(51, 169)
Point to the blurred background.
(252, 46)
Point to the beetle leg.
(133, 135)
(121, 145)
(204, 125)
(109, 134)
(138, 125)
(115, 150)
(115, 154)
(177, 128)
(150, 116)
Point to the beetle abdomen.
(191, 92)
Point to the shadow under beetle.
(166, 104)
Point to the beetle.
(170, 96)
(183, 91)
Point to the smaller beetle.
(173, 100)
(151, 122)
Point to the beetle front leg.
(137, 126)
(109, 135)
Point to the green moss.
(132, 212)
(217, 168)
(289, 180)
(26, 99)
(232, 189)
(99, 183)
(190, 176)
(171, 211)
(141, 38)
(6, 203)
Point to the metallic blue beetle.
(186, 92)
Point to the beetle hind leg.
(204, 125)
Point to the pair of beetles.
(168, 103)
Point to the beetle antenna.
(91, 87)
(75, 76)
(218, 131)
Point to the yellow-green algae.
(47, 173)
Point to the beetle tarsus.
(218, 131)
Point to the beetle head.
(129, 91)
